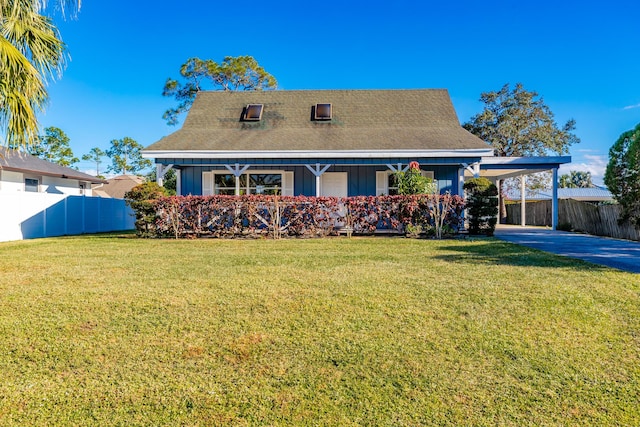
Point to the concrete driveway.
(621, 254)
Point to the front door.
(333, 184)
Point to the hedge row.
(300, 216)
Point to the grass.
(104, 330)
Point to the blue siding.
(361, 178)
(446, 177)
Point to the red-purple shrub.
(300, 216)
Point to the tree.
(576, 179)
(622, 176)
(170, 180)
(31, 55)
(53, 146)
(95, 155)
(516, 122)
(126, 156)
(482, 205)
(141, 199)
(233, 74)
(413, 182)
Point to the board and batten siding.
(361, 180)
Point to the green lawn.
(109, 330)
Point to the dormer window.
(253, 112)
(323, 112)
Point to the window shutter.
(381, 183)
(207, 183)
(287, 184)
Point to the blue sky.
(582, 57)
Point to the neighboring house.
(117, 187)
(23, 172)
(593, 195)
(43, 199)
(316, 142)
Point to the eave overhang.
(305, 154)
(509, 167)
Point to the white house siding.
(55, 185)
(11, 181)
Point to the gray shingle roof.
(421, 119)
(15, 160)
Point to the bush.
(301, 216)
(141, 199)
(565, 226)
(482, 206)
(413, 182)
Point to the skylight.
(253, 112)
(323, 112)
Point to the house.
(117, 186)
(21, 172)
(316, 142)
(327, 143)
(591, 195)
(43, 199)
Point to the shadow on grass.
(125, 234)
(492, 251)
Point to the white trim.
(305, 154)
(382, 183)
(208, 179)
(516, 161)
(207, 183)
(287, 183)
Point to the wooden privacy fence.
(580, 216)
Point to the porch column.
(236, 170)
(554, 200)
(179, 182)
(474, 168)
(318, 171)
(161, 170)
(523, 200)
(461, 182)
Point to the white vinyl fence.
(34, 215)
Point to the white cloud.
(630, 107)
(594, 164)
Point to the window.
(392, 185)
(250, 183)
(265, 183)
(31, 184)
(82, 188)
(226, 184)
(253, 112)
(323, 112)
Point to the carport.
(497, 169)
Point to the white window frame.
(208, 180)
(382, 181)
(32, 179)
